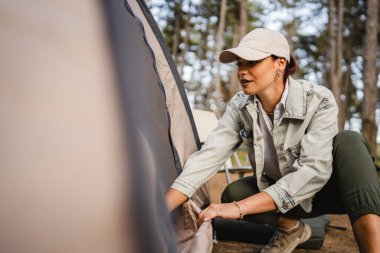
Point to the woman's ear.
(281, 64)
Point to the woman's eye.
(247, 64)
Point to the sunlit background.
(191, 30)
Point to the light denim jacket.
(303, 141)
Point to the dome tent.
(95, 126)
(158, 93)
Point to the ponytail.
(290, 68)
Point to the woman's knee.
(350, 143)
(348, 137)
(227, 195)
(240, 189)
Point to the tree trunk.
(177, 11)
(325, 76)
(234, 85)
(339, 49)
(218, 49)
(186, 40)
(369, 128)
(332, 45)
(345, 102)
(243, 24)
(291, 30)
(336, 51)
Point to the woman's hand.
(227, 210)
(258, 203)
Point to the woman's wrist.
(259, 203)
(174, 199)
(241, 214)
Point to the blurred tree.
(335, 26)
(370, 73)
(352, 51)
(186, 39)
(218, 48)
(320, 60)
(171, 19)
(325, 36)
(240, 27)
(206, 13)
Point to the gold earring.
(278, 73)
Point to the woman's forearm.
(174, 199)
(258, 203)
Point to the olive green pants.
(353, 188)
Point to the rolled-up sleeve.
(313, 168)
(218, 147)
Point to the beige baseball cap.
(256, 45)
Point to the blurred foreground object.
(94, 127)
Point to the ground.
(339, 237)
(336, 241)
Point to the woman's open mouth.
(244, 82)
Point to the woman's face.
(257, 77)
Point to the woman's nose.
(241, 71)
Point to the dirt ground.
(338, 239)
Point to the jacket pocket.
(292, 154)
(295, 150)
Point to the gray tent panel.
(183, 134)
(152, 159)
(182, 127)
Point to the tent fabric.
(193, 237)
(182, 126)
(183, 133)
(152, 160)
(160, 126)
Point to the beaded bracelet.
(240, 211)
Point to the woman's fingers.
(208, 214)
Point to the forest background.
(335, 44)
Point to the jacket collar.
(295, 103)
(246, 100)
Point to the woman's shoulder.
(239, 100)
(312, 88)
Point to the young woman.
(303, 166)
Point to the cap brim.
(249, 54)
